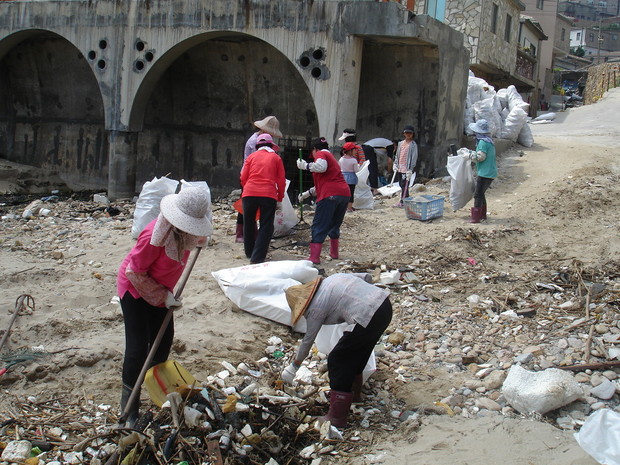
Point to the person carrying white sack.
(486, 167)
(340, 298)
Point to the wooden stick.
(592, 366)
(589, 344)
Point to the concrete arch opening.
(198, 113)
(51, 109)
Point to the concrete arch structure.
(46, 88)
(370, 65)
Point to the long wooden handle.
(157, 341)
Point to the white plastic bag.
(526, 138)
(600, 436)
(286, 218)
(488, 109)
(328, 337)
(462, 182)
(391, 189)
(362, 199)
(259, 289)
(147, 206)
(513, 124)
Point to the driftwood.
(592, 366)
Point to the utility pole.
(599, 40)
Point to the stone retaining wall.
(600, 79)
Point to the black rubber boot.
(134, 412)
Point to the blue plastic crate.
(427, 209)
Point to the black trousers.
(373, 168)
(257, 245)
(142, 323)
(350, 355)
(482, 184)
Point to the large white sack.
(502, 98)
(600, 436)
(286, 218)
(259, 289)
(328, 337)
(513, 124)
(515, 99)
(362, 197)
(545, 117)
(475, 89)
(526, 138)
(147, 206)
(462, 182)
(486, 109)
(540, 392)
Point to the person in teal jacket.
(486, 166)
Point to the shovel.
(157, 341)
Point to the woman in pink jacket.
(148, 275)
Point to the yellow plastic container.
(167, 377)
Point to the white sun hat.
(481, 126)
(188, 211)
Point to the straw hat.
(188, 211)
(300, 296)
(270, 125)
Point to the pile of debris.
(242, 414)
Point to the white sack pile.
(505, 111)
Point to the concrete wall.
(110, 93)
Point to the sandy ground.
(552, 203)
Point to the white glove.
(288, 374)
(302, 164)
(303, 196)
(172, 302)
(279, 206)
(470, 155)
(408, 175)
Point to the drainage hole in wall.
(92, 55)
(139, 65)
(101, 64)
(316, 72)
(304, 61)
(224, 57)
(318, 54)
(139, 46)
(103, 44)
(148, 56)
(241, 58)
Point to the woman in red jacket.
(332, 197)
(264, 184)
